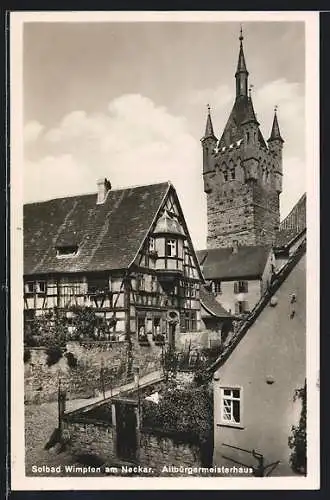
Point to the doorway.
(126, 423)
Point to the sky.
(127, 101)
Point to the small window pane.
(227, 392)
(236, 411)
(236, 393)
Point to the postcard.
(164, 301)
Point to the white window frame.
(230, 398)
(152, 246)
(171, 245)
(27, 287)
(61, 255)
(38, 289)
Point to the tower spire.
(242, 73)
(209, 132)
(275, 133)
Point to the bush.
(27, 355)
(188, 412)
(54, 354)
(71, 360)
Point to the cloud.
(32, 131)
(132, 142)
(218, 97)
(289, 97)
(294, 183)
(136, 142)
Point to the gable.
(172, 206)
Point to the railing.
(190, 360)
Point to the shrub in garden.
(71, 360)
(54, 354)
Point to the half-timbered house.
(126, 253)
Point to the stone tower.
(242, 173)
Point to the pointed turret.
(209, 132)
(209, 142)
(242, 73)
(275, 146)
(275, 134)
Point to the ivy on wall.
(298, 439)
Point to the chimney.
(103, 187)
(235, 246)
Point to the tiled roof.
(211, 305)
(223, 263)
(108, 235)
(241, 111)
(293, 225)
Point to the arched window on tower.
(225, 175)
(247, 136)
(233, 173)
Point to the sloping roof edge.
(151, 225)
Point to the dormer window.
(66, 251)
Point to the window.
(29, 287)
(233, 173)
(151, 244)
(171, 248)
(190, 321)
(98, 285)
(67, 251)
(231, 406)
(216, 286)
(153, 284)
(141, 283)
(41, 286)
(225, 175)
(241, 287)
(241, 306)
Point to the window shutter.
(236, 286)
(246, 306)
(237, 308)
(246, 286)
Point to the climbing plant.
(298, 439)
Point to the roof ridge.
(302, 197)
(94, 193)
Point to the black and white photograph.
(164, 183)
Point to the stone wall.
(41, 380)
(160, 451)
(237, 210)
(91, 438)
(156, 451)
